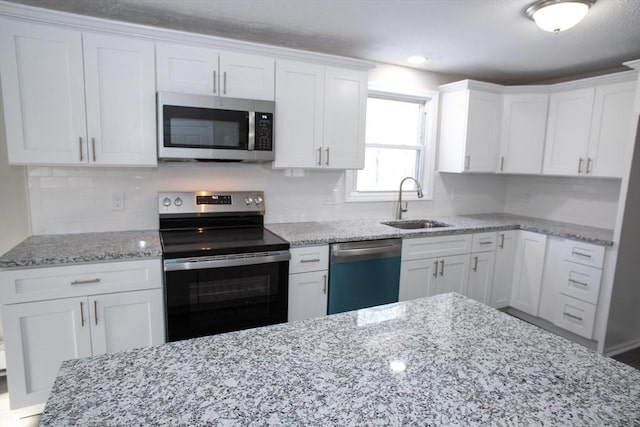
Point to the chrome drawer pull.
(573, 252)
(309, 260)
(502, 242)
(435, 269)
(81, 314)
(580, 319)
(324, 284)
(441, 268)
(95, 311)
(578, 283)
(475, 267)
(84, 282)
(486, 243)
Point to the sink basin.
(415, 224)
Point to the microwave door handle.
(252, 131)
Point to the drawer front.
(311, 258)
(78, 280)
(575, 316)
(429, 247)
(580, 281)
(584, 253)
(484, 242)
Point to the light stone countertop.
(464, 364)
(321, 232)
(82, 248)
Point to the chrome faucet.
(420, 196)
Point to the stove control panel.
(181, 202)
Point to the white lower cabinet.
(503, 271)
(40, 334)
(528, 271)
(481, 276)
(308, 281)
(453, 275)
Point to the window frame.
(427, 155)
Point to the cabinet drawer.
(429, 247)
(484, 242)
(575, 316)
(77, 280)
(580, 281)
(311, 258)
(584, 253)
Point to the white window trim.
(428, 153)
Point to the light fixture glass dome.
(558, 15)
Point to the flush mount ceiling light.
(416, 59)
(558, 15)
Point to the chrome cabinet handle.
(435, 269)
(475, 266)
(93, 148)
(589, 161)
(578, 283)
(501, 163)
(580, 319)
(324, 284)
(214, 81)
(502, 241)
(224, 80)
(573, 252)
(319, 156)
(467, 162)
(441, 267)
(486, 243)
(580, 165)
(80, 143)
(327, 162)
(81, 314)
(84, 282)
(303, 261)
(95, 311)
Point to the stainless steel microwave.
(201, 127)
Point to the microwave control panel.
(264, 132)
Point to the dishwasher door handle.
(376, 250)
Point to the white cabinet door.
(38, 337)
(503, 273)
(483, 131)
(528, 270)
(416, 278)
(187, 69)
(611, 129)
(568, 132)
(481, 276)
(300, 114)
(120, 93)
(126, 320)
(524, 123)
(345, 105)
(247, 76)
(453, 275)
(43, 83)
(307, 295)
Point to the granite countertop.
(313, 233)
(444, 360)
(62, 249)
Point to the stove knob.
(166, 202)
(177, 201)
(248, 201)
(258, 200)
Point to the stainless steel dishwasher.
(363, 274)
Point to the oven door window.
(210, 301)
(189, 127)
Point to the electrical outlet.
(117, 201)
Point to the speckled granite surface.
(50, 250)
(466, 364)
(312, 233)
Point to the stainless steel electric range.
(223, 271)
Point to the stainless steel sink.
(415, 224)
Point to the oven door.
(206, 297)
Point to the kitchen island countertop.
(440, 360)
(322, 232)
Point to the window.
(397, 145)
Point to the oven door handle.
(195, 264)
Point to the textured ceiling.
(488, 40)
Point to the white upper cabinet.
(321, 113)
(568, 132)
(470, 124)
(43, 93)
(77, 98)
(208, 71)
(611, 129)
(524, 120)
